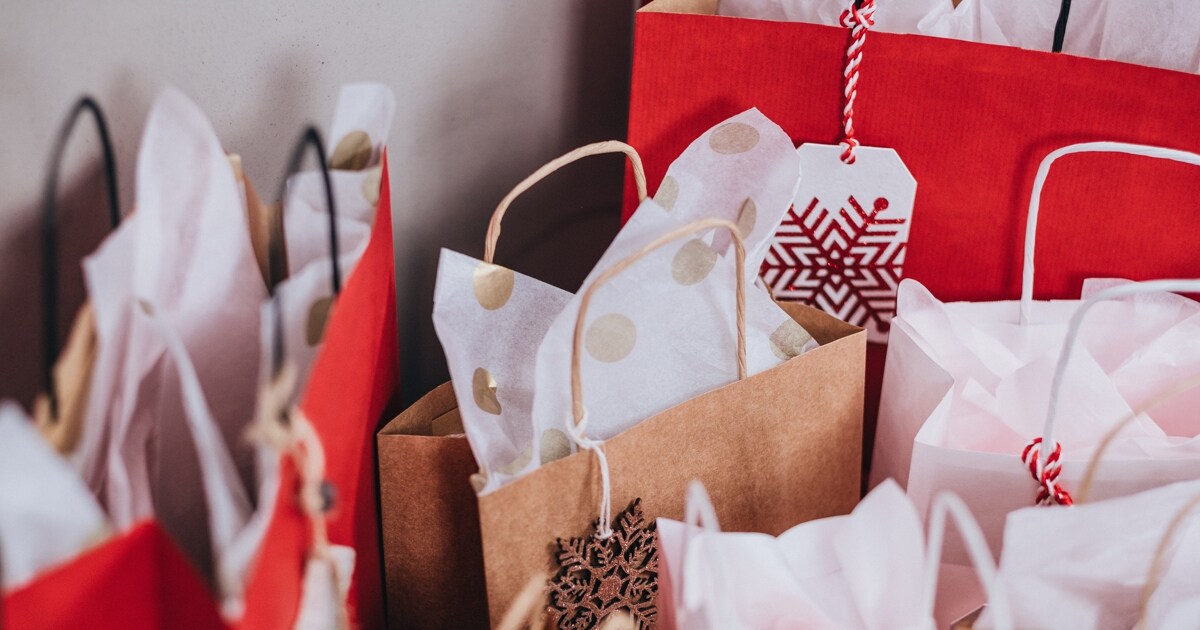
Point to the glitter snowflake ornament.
(841, 246)
(601, 576)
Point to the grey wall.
(486, 91)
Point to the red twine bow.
(1048, 489)
(858, 20)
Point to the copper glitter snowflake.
(598, 577)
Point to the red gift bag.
(352, 382)
(966, 119)
(140, 579)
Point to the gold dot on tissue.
(493, 285)
(519, 464)
(318, 315)
(668, 192)
(734, 137)
(370, 185)
(747, 217)
(693, 262)
(484, 388)
(146, 306)
(352, 153)
(789, 340)
(610, 338)
(555, 445)
(479, 480)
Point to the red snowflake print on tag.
(847, 262)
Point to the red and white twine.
(858, 20)
(1049, 491)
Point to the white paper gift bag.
(869, 569)
(1096, 565)
(968, 385)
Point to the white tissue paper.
(361, 122)
(47, 515)
(184, 255)
(663, 331)
(1085, 566)
(865, 570)
(491, 320)
(1156, 33)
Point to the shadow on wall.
(82, 222)
(81, 219)
(556, 231)
(484, 107)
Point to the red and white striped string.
(1046, 475)
(858, 19)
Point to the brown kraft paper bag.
(774, 449)
(433, 562)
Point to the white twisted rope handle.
(950, 504)
(1073, 327)
(1154, 573)
(699, 514)
(1039, 181)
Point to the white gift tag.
(841, 246)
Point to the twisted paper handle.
(1163, 396)
(597, 148)
(577, 425)
(1044, 465)
(949, 505)
(1039, 181)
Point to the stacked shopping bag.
(796, 365)
(563, 487)
(202, 455)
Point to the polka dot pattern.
(352, 153)
(693, 262)
(370, 185)
(483, 386)
(734, 137)
(555, 445)
(610, 338)
(668, 193)
(478, 481)
(318, 315)
(789, 339)
(493, 285)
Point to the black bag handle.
(1060, 27)
(85, 104)
(276, 257)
